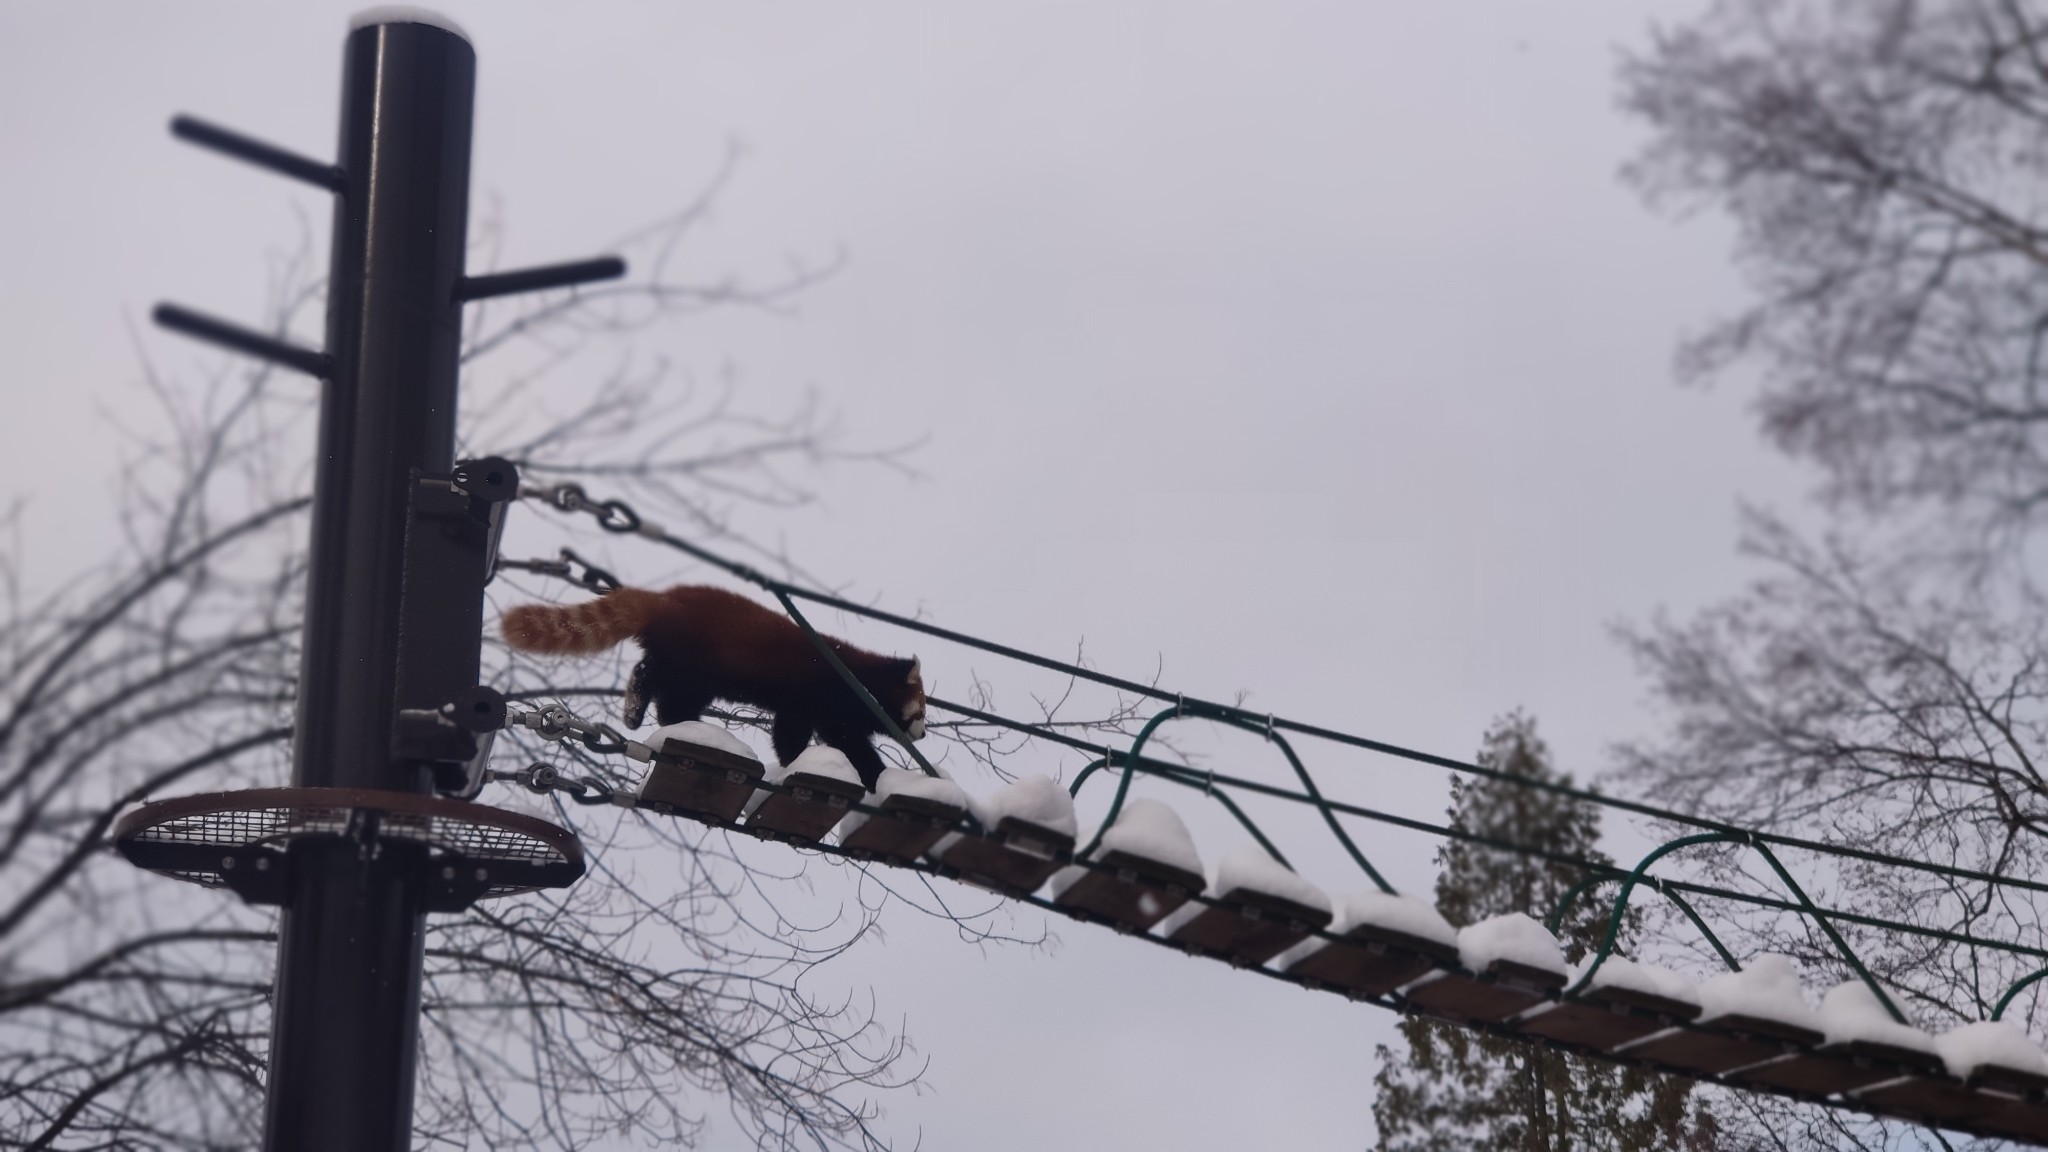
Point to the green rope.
(1169, 773)
(1123, 784)
(1806, 902)
(1134, 764)
(1081, 777)
(1555, 921)
(1686, 907)
(1841, 945)
(875, 708)
(2015, 990)
(1187, 779)
(1300, 770)
(1557, 913)
(1621, 908)
(1329, 817)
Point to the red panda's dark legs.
(860, 749)
(792, 734)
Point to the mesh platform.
(245, 841)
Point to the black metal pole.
(345, 1031)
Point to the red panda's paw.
(634, 707)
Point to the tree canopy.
(1454, 1088)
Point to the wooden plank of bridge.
(692, 780)
(1503, 989)
(811, 806)
(1941, 1099)
(904, 830)
(1843, 1067)
(1728, 1042)
(1128, 892)
(1015, 857)
(1370, 960)
(1608, 1017)
(1247, 926)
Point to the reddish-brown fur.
(704, 643)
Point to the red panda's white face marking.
(913, 708)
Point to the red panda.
(701, 643)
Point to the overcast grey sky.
(1307, 350)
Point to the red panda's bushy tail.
(580, 629)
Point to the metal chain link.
(611, 515)
(555, 722)
(592, 577)
(544, 778)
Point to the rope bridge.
(1383, 957)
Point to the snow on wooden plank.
(699, 770)
(917, 810)
(1030, 835)
(821, 784)
(1148, 868)
(1261, 909)
(1385, 941)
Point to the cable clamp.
(559, 569)
(602, 738)
(592, 792)
(617, 516)
(542, 778)
(595, 578)
(568, 497)
(555, 722)
(552, 722)
(1269, 727)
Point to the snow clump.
(909, 782)
(1768, 990)
(1150, 829)
(1997, 1042)
(1251, 869)
(1511, 937)
(1621, 972)
(818, 760)
(701, 734)
(1404, 914)
(1851, 1011)
(1036, 799)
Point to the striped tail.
(580, 629)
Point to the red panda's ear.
(914, 676)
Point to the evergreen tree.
(1456, 1089)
